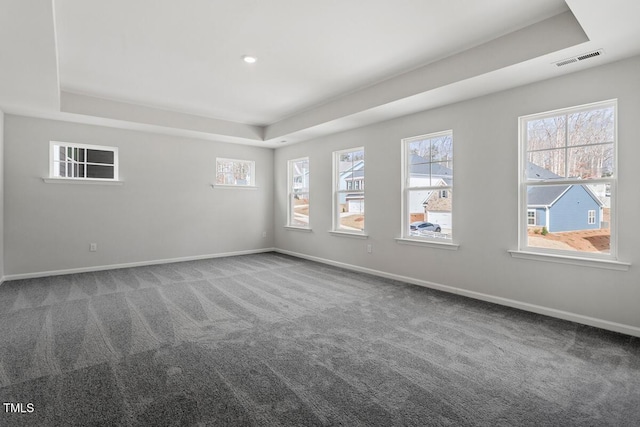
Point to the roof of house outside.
(421, 166)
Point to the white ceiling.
(323, 65)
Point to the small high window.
(234, 172)
(82, 161)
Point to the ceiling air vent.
(579, 58)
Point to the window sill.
(572, 260)
(349, 234)
(428, 243)
(294, 228)
(233, 187)
(93, 181)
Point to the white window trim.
(406, 237)
(297, 228)
(535, 217)
(347, 233)
(591, 217)
(234, 186)
(428, 243)
(610, 260)
(51, 179)
(82, 181)
(290, 225)
(336, 230)
(563, 258)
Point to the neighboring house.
(352, 178)
(437, 208)
(562, 207)
(434, 205)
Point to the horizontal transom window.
(82, 161)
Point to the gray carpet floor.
(269, 339)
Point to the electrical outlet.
(93, 247)
(369, 248)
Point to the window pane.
(58, 153)
(349, 191)
(546, 133)
(442, 149)
(301, 173)
(591, 127)
(300, 209)
(99, 171)
(569, 217)
(242, 173)
(234, 172)
(100, 156)
(590, 162)
(351, 166)
(224, 172)
(60, 169)
(430, 213)
(421, 150)
(549, 164)
(351, 212)
(430, 161)
(351, 171)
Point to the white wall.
(1, 195)
(485, 201)
(165, 209)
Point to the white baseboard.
(551, 312)
(130, 264)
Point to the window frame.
(290, 193)
(524, 184)
(591, 217)
(335, 226)
(534, 217)
(252, 172)
(52, 177)
(406, 189)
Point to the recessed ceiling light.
(249, 59)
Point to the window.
(298, 212)
(348, 195)
(82, 161)
(235, 172)
(568, 177)
(531, 217)
(427, 186)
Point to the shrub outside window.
(298, 209)
(568, 180)
(427, 187)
